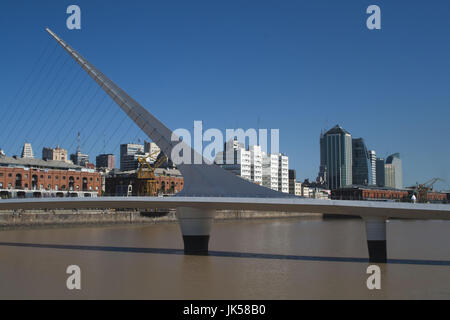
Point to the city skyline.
(163, 86)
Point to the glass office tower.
(337, 148)
(362, 168)
(396, 162)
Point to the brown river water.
(297, 258)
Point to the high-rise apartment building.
(27, 151)
(270, 171)
(373, 167)
(337, 157)
(256, 164)
(235, 159)
(283, 173)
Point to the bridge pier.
(376, 239)
(195, 224)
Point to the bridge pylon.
(376, 239)
(195, 224)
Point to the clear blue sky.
(300, 66)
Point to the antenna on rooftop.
(104, 142)
(78, 141)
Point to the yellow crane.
(425, 188)
(146, 179)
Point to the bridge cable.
(57, 121)
(16, 99)
(36, 109)
(82, 112)
(26, 96)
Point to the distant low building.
(370, 193)
(79, 158)
(105, 161)
(295, 187)
(56, 154)
(315, 193)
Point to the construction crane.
(423, 189)
(146, 179)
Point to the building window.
(18, 180)
(49, 177)
(9, 175)
(42, 177)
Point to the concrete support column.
(195, 224)
(376, 239)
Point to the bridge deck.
(337, 207)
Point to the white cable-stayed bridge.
(207, 188)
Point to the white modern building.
(235, 159)
(373, 166)
(270, 169)
(295, 188)
(283, 173)
(256, 164)
(151, 148)
(27, 151)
